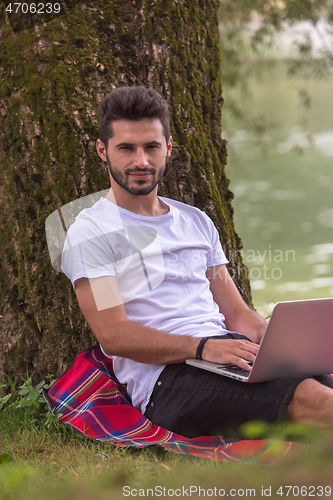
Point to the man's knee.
(311, 404)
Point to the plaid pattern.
(89, 398)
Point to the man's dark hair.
(131, 103)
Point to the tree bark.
(54, 69)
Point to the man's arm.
(239, 317)
(120, 337)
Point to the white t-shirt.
(160, 264)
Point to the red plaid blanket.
(89, 398)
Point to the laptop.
(298, 341)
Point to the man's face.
(136, 154)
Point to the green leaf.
(12, 385)
(4, 400)
(33, 395)
(40, 386)
(255, 429)
(5, 458)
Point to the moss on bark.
(52, 76)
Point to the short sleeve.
(87, 253)
(216, 256)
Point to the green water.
(283, 190)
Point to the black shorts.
(195, 402)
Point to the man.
(151, 279)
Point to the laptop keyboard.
(236, 370)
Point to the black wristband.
(228, 335)
(200, 347)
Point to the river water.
(283, 186)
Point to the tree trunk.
(54, 69)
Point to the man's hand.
(230, 351)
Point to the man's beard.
(124, 178)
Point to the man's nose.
(141, 159)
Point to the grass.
(59, 466)
(41, 459)
(41, 462)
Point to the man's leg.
(195, 402)
(311, 404)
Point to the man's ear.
(101, 150)
(169, 146)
